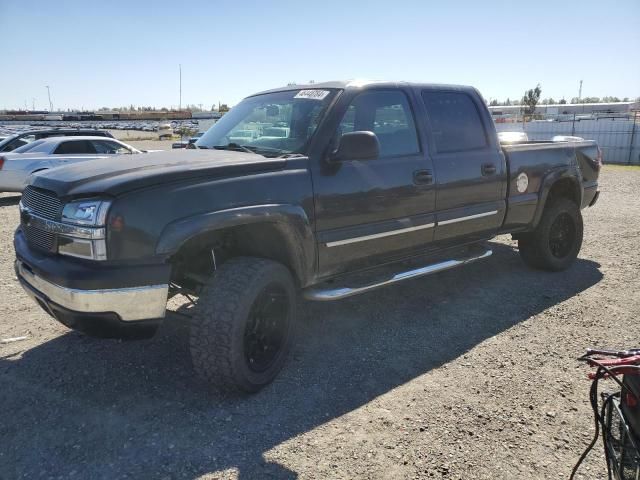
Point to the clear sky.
(115, 53)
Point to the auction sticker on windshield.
(312, 94)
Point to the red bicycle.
(616, 414)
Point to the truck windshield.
(272, 125)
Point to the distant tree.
(494, 103)
(625, 99)
(508, 102)
(531, 99)
(223, 108)
(562, 102)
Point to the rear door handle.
(422, 177)
(488, 169)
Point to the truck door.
(370, 210)
(468, 164)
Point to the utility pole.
(49, 94)
(33, 103)
(580, 92)
(180, 104)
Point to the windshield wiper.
(234, 146)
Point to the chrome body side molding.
(379, 235)
(469, 217)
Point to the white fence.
(617, 136)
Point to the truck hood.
(123, 173)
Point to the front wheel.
(555, 243)
(243, 328)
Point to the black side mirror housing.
(362, 145)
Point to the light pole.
(580, 92)
(180, 104)
(49, 94)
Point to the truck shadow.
(106, 409)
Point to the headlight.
(91, 212)
(84, 241)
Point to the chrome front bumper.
(130, 304)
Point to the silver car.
(17, 166)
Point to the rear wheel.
(555, 243)
(244, 325)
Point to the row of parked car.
(141, 125)
(26, 153)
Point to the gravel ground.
(467, 374)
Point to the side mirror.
(361, 145)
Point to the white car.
(17, 166)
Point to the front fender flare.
(290, 220)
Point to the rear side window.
(455, 122)
(75, 147)
(389, 116)
(111, 148)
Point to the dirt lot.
(143, 140)
(467, 374)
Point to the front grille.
(45, 204)
(39, 238)
(42, 203)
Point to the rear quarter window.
(456, 125)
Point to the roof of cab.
(359, 84)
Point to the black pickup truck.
(329, 189)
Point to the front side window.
(75, 147)
(272, 124)
(389, 116)
(455, 122)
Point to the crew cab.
(326, 190)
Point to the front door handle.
(422, 177)
(488, 169)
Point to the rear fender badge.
(522, 182)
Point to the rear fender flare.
(547, 184)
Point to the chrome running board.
(325, 293)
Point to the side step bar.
(325, 293)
